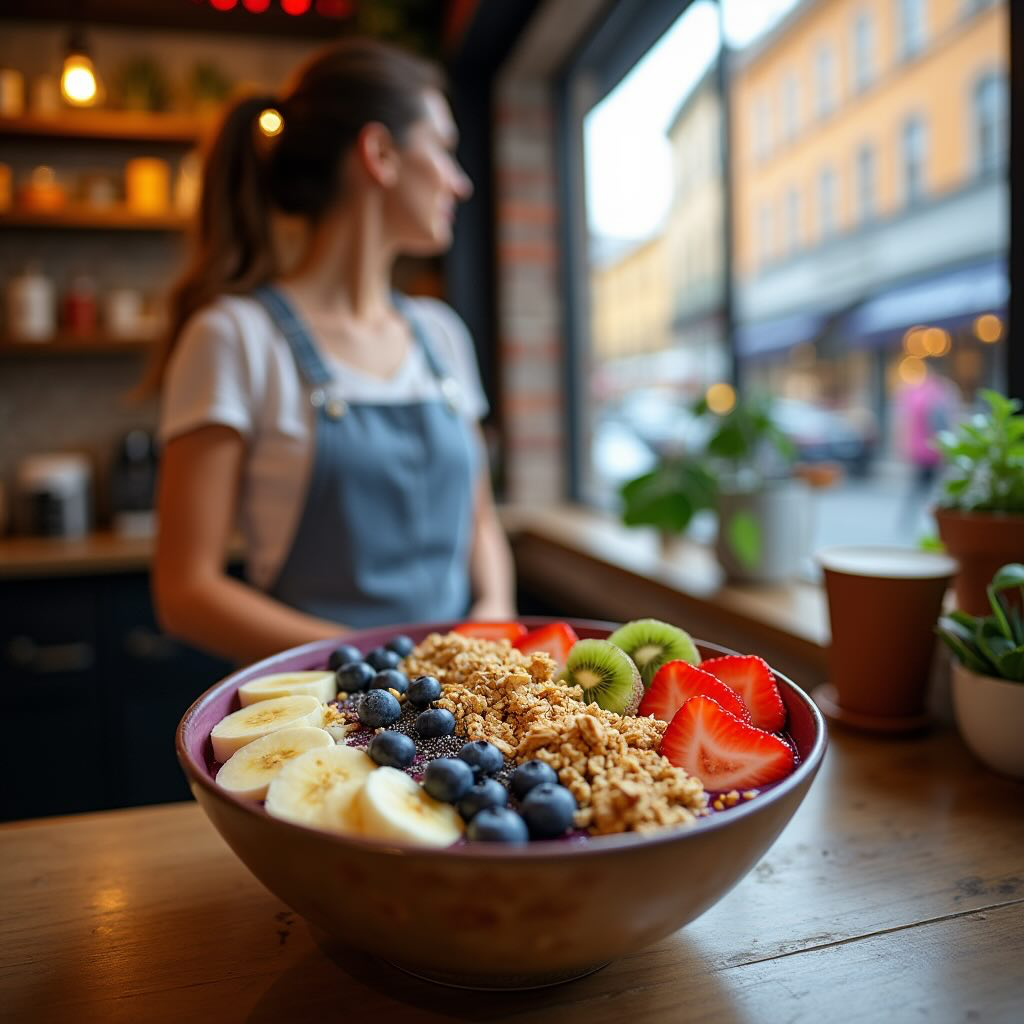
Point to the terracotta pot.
(883, 604)
(486, 915)
(982, 542)
(990, 717)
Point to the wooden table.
(895, 894)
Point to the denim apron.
(385, 531)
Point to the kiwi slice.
(650, 643)
(606, 674)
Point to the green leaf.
(993, 647)
(743, 534)
(1011, 664)
(1008, 576)
(961, 642)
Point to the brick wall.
(529, 305)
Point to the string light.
(721, 397)
(936, 341)
(911, 370)
(913, 341)
(271, 122)
(988, 328)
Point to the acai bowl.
(496, 914)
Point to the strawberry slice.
(555, 639)
(677, 681)
(491, 630)
(752, 679)
(723, 752)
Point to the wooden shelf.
(108, 125)
(86, 218)
(65, 345)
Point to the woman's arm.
(492, 572)
(195, 598)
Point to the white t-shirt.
(233, 367)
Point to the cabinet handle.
(47, 659)
(149, 645)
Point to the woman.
(332, 420)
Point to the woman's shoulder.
(228, 321)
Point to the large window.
(990, 116)
(863, 51)
(914, 156)
(852, 268)
(867, 184)
(911, 18)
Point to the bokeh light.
(721, 397)
(988, 328)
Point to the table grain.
(895, 894)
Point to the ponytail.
(233, 247)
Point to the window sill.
(585, 561)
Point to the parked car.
(825, 435)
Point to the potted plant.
(743, 472)
(988, 674)
(981, 513)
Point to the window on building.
(911, 26)
(863, 51)
(792, 219)
(765, 232)
(788, 303)
(790, 106)
(828, 222)
(991, 122)
(866, 173)
(914, 159)
(763, 128)
(824, 78)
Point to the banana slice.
(322, 685)
(393, 806)
(249, 771)
(242, 727)
(319, 788)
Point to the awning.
(946, 299)
(766, 337)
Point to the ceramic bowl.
(486, 915)
(990, 717)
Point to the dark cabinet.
(92, 691)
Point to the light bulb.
(78, 80)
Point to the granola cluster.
(610, 763)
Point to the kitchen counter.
(100, 552)
(895, 893)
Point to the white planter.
(778, 516)
(990, 716)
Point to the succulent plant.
(991, 645)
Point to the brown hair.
(246, 176)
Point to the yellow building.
(630, 311)
(869, 149)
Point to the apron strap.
(311, 366)
(448, 384)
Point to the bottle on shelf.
(31, 306)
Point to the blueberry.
(483, 757)
(489, 793)
(547, 810)
(390, 679)
(401, 645)
(381, 658)
(448, 779)
(423, 691)
(379, 708)
(393, 749)
(434, 722)
(497, 825)
(344, 655)
(530, 774)
(354, 677)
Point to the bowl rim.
(535, 850)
